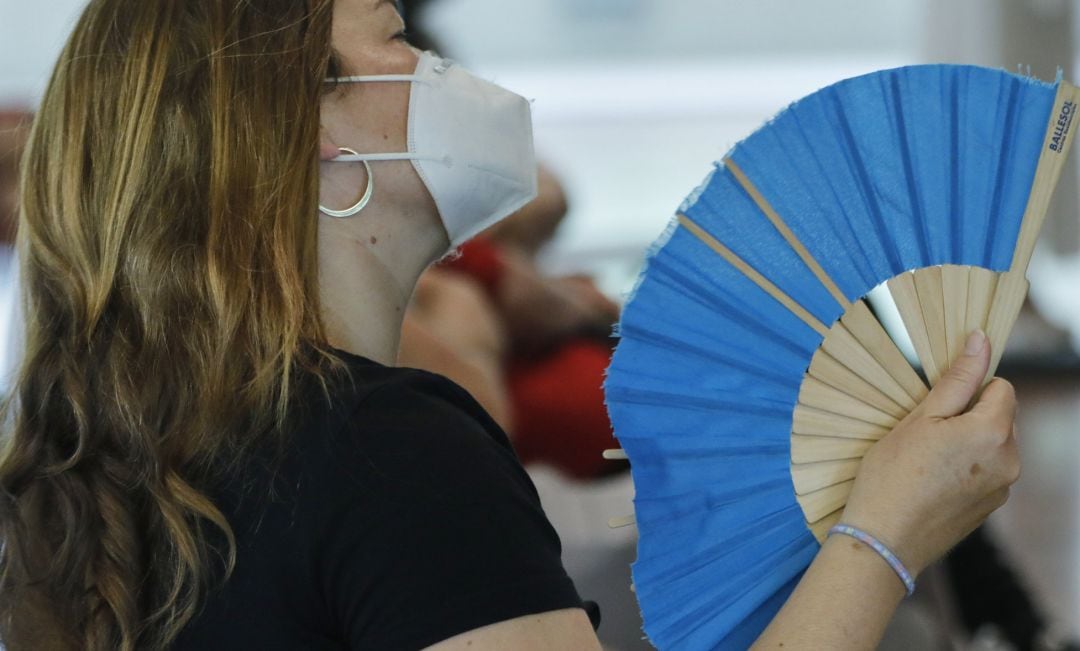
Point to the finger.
(1011, 466)
(954, 391)
(1013, 469)
(993, 501)
(998, 403)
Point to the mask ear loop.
(360, 205)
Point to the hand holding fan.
(751, 377)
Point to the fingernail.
(975, 342)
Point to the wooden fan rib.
(928, 285)
(847, 350)
(825, 368)
(905, 295)
(1060, 133)
(815, 393)
(761, 281)
(868, 330)
(765, 207)
(820, 504)
(982, 284)
(1012, 288)
(810, 477)
(813, 449)
(808, 421)
(955, 282)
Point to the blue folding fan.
(751, 377)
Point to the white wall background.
(31, 36)
(615, 30)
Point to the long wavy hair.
(167, 238)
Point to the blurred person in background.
(532, 348)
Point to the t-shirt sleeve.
(435, 528)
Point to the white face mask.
(470, 141)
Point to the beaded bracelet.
(882, 550)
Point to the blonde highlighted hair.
(167, 237)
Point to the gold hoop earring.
(360, 205)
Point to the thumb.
(954, 391)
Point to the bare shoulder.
(558, 629)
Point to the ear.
(328, 149)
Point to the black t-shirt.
(400, 517)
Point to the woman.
(209, 446)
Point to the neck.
(367, 273)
